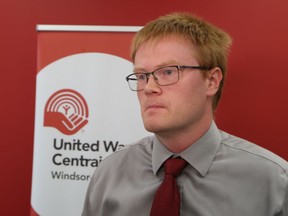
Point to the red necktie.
(167, 198)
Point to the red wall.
(255, 99)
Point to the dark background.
(254, 105)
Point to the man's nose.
(151, 85)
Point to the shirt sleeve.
(92, 202)
(285, 203)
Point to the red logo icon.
(67, 111)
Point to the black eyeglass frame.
(148, 74)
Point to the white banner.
(84, 112)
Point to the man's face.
(182, 105)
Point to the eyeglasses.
(163, 76)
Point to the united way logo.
(67, 111)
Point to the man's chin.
(153, 128)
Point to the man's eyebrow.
(165, 64)
(139, 69)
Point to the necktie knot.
(174, 166)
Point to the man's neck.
(178, 141)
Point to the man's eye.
(167, 72)
(141, 77)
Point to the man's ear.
(214, 78)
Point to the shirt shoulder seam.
(259, 155)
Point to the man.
(179, 70)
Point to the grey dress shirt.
(226, 176)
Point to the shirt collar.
(200, 154)
(159, 154)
